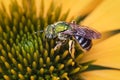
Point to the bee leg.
(59, 43)
(72, 51)
(72, 48)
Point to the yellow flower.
(102, 15)
(104, 18)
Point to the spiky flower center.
(25, 55)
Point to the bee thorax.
(62, 36)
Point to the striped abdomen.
(86, 44)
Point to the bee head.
(50, 32)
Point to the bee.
(71, 32)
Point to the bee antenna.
(39, 31)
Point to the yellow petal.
(6, 2)
(78, 7)
(101, 75)
(106, 35)
(46, 5)
(106, 53)
(105, 17)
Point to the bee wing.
(86, 32)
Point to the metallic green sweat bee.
(71, 32)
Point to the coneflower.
(25, 55)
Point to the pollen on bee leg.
(57, 46)
(72, 48)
